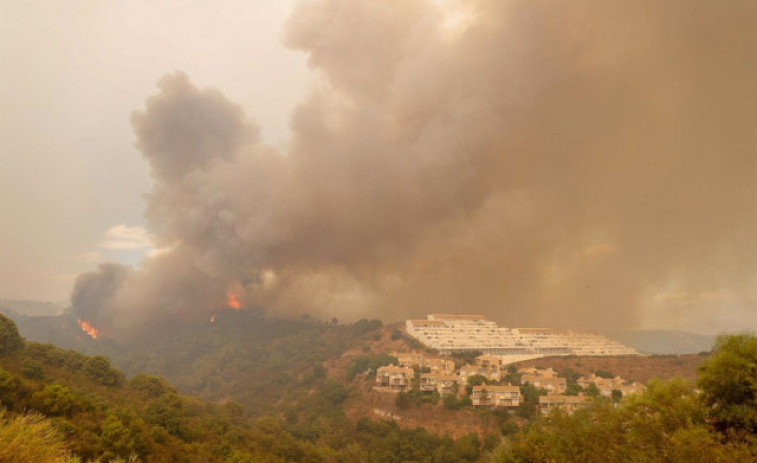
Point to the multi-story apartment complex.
(459, 333)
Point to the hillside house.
(566, 403)
(496, 396)
(408, 359)
(441, 383)
(607, 385)
(486, 360)
(394, 377)
(417, 359)
(543, 379)
(492, 372)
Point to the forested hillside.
(71, 405)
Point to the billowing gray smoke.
(544, 163)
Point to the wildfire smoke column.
(548, 164)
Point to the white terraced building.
(459, 333)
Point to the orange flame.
(87, 328)
(212, 318)
(233, 302)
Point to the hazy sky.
(71, 75)
(572, 164)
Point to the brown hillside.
(434, 418)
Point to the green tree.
(151, 386)
(116, 438)
(468, 447)
(55, 400)
(403, 400)
(98, 368)
(592, 390)
(573, 389)
(530, 403)
(665, 424)
(32, 369)
(333, 393)
(10, 340)
(7, 388)
(617, 395)
(167, 411)
(512, 376)
(475, 380)
(465, 357)
(369, 363)
(729, 384)
(451, 402)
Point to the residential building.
(496, 396)
(417, 359)
(566, 403)
(441, 383)
(607, 385)
(543, 379)
(394, 377)
(460, 333)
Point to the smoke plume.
(544, 163)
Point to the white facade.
(455, 333)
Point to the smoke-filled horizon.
(542, 163)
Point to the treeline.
(260, 362)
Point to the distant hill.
(664, 342)
(31, 308)
(61, 330)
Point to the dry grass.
(30, 439)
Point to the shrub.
(98, 368)
(369, 362)
(729, 384)
(10, 339)
(151, 386)
(32, 369)
(55, 400)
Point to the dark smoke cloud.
(185, 129)
(93, 292)
(545, 163)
